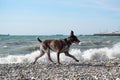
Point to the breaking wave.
(90, 54)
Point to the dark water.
(25, 44)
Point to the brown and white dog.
(59, 46)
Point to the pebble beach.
(87, 70)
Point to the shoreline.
(90, 70)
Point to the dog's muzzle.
(77, 42)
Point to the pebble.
(88, 70)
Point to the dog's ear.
(72, 33)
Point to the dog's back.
(54, 45)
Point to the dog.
(59, 46)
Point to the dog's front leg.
(58, 58)
(67, 54)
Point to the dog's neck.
(67, 41)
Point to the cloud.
(107, 4)
(111, 5)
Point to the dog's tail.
(39, 39)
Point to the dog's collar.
(67, 41)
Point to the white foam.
(30, 57)
(91, 54)
(102, 53)
(19, 58)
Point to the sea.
(24, 49)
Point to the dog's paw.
(58, 63)
(77, 60)
(33, 63)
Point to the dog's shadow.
(98, 64)
(86, 65)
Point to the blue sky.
(48, 17)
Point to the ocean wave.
(97, 42)
(90, 54)
(30, 48)
(17, 42)
(102, 53)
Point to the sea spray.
(90, 54)
(19, 58)
(29, 58)
(102, 53)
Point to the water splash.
(90, 54)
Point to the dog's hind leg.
(49, 57)
(41, 54)
(67, 54)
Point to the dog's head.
(73, 38)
